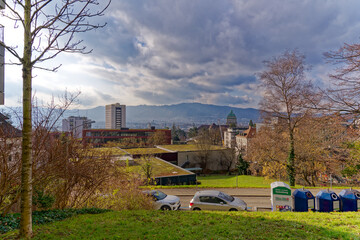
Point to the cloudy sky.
(166, 52)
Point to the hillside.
(202, 225)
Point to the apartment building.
(76, 125)
(115, 116)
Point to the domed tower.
(231, 119)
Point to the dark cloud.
(168, 52)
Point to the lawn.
(225, 181)
(241, 181)
(202, 225)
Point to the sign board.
(281, 199)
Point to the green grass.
(241, 181)
(159, 168)
(145, 151)
(189, 147)
(202, 225)
(223, 181)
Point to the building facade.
(230, 136)
(99, 137)
(115, 116)
(243, 139)
(76, 125)
(2, 57)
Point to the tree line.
(308, 131)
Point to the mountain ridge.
(197, 113)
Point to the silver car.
(216, 200)
(163, 201)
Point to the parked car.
(216, 200)
(163, 201)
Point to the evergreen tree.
(242, 165)
(251, 124)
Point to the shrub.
(42, 200)
(127, 197)
(12, 221)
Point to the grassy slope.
(234, 181)
(225, 181)
(203, 225)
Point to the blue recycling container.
(303, 200)
(350, 200)
(327, 201)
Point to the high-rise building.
(76, 125)
(115, 116)
(2, 57)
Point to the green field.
(202, 225)
(225, 181)
(241, 181)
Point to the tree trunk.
(26, 167)
(291, 160)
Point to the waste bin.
(350, 200)
(327, 201)
(280, 196)
(303, 200)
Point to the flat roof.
(108, 129)
(190, 147)
(144, 151)
(111, 150)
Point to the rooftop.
(189, 147)
(113, 151)
(160, 168)
(141, 151)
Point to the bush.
(12, 221)
(42, 200)
(123, 199)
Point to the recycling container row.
(326, 201)
(303, 200)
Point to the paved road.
(254, 197)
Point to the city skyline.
(159, 52)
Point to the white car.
(163, 201)
(216, 200)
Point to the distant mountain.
(178, 113)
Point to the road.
(256, 198)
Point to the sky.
(158, 52)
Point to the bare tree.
(49, 28)
(344, 96)
(320, 149)
(267, 152)
(227, 158)
(287, 96)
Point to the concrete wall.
(213, 162)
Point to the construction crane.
(222, 138)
